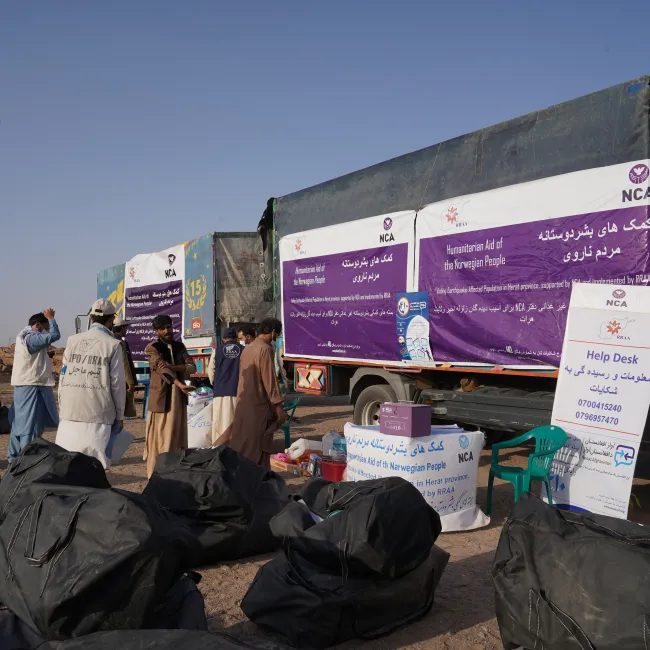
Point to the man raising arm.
(34, 406)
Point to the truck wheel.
(366, 408)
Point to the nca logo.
(170, 272)
(300, 247)
(638, 175)
(617, 299)
(465, 456)
(132, 275)
(387, 236)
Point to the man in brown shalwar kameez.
(169, 363)
(259, 413)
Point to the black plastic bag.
(226, 499)
(571, 581)
(74, 560)
(312, 608)
(15, 635)
(382, 527)
(182, 609)
(156, 640)
(45, 462)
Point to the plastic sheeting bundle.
(226, 500)
(359, 561)
(76, 560)
(569, 581)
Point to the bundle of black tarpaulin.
(359, 561)
(84, 565)
(225, 499)
(16, 636)
(571, 581)
(77, 556)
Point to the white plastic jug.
(328, 442)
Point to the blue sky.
(127, 127)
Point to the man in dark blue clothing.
(223, 371)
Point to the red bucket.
(332, 471)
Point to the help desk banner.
(602, 397)
(443, 466)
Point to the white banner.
(155, 268)
(443, 466)
(602, 397)
(340, 282)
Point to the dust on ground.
(462, 616)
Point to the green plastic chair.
(548, 440)
(290, 408)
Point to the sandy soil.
(463, 613)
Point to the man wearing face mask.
(34, 406)
(259, 413)
(246, 335)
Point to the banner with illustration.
(602, 397)
(412, 319)
(110, 285)
(442, 466)
(339, 285)
(153, 286)
(498, 266)
(199, 287)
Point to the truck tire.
(366, 408)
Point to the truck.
(214, 281)
(443, 276)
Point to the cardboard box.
(408, 420)
(290, 468)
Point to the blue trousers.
(33, 409)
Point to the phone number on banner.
(599, 406)
(595, 417)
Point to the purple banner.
(342, 305)
(501, 295)
(142, 304)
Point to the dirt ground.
(463, 612)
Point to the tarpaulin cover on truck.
(466, 252)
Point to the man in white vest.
(92, 389)
(34, 406)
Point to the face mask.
(242, 343)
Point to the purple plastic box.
(409, 420)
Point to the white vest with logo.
(31, 369)
(85, 386)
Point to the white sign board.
(443, 466)
(602, 397)
(155, 268)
